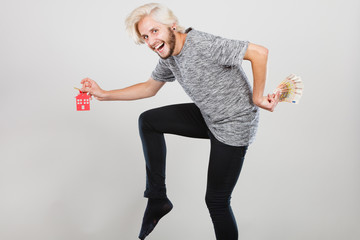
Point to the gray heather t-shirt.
(209, 70)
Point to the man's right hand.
(91, 87)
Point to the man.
(225, 109)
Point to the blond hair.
(158, 12)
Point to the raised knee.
(145, 119)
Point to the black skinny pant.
(224, 165)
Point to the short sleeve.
(228, 52)
(162, 72)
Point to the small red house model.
(83, 102)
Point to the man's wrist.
(104, 95)
(257, 100)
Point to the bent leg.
(224, 170)
(181, 119)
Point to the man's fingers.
(85, 80)
(277, 96)
(276, 101)
(86, 86)
(85, 89)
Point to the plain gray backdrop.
(80, 175)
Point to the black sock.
(155, 209)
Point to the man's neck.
(180, 41)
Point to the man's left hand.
(268, 102)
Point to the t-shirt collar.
(185, 43)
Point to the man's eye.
(145, 37)
(155, 31)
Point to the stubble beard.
(171, 43)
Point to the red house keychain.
(82, 101)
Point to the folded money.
(290, 89)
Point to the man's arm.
(134, 92)
(258, 56)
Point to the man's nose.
(150, 42)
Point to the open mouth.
(160, 47)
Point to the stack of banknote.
(290, 89)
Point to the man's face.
(157, 36)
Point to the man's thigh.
(180, 119)
(224, 166)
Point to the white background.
(80, 175)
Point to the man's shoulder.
(197, 34)
(200, 42)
